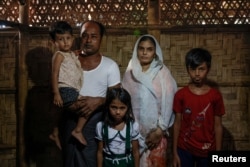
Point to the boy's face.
(199, 74)
(64, 41)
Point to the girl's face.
(64, 41)
(199, 74)
(146, 52)
(117, 110)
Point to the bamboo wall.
(230, 69)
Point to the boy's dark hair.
(60, 27)
(122, 95)
(101, 27)
(196, 57)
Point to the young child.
(198, 108)
(118, 134)
(67, 76)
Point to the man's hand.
(90, 104)
(86, 105)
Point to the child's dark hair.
(60, 27)
(122, 95)
(196, 57)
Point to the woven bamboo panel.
(7, 72)
(130, 12)
(8, 158)
(230, 68)
(8, 47)
(197, 12)
(119, 48)
(236, 119)
(7, 119)
(230, 55)
(230, 52)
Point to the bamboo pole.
(248, 106)
(154, 17)
(22, 84)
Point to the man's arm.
(90, 104)
(86, 105)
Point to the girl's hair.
(122, 95)
(60, 27)
(196, 57)
(148, 38)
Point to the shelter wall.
(230, 69)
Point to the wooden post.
(154, 17)
(22, 87)
(248, 106)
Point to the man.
(100, 73)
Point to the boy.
(198, 108)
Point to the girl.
(118, 134)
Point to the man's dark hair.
(101, 26)
(60, 27)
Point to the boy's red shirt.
(197, 125)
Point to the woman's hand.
(153, 139)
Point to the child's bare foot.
(79, 136)
(55, 138)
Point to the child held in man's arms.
(67, 77)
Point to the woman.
(152, 89)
